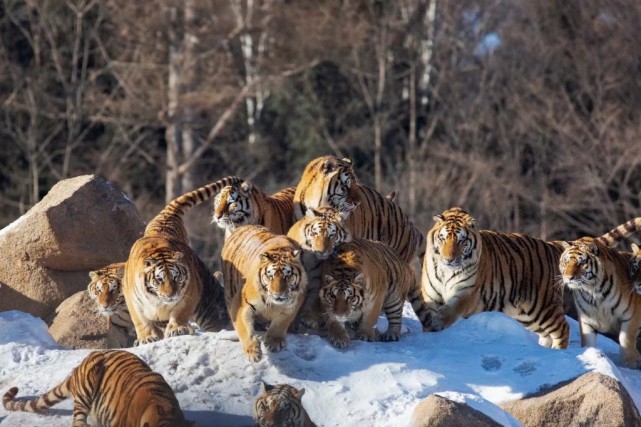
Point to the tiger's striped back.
(168, 223)
(244, 204)
(115, 387)
(331, 182)
(280, 405)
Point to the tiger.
(606, 301)
(105, 290)
(165, 281)
(467, 270)
(331, 182)
(114, 388)
(264, 280)
(244, 204)
(363, 278)
(280, 405)
(635, 268)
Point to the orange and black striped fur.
(635, 268)
(360, 280)
(165, 281)
(105, 289)
(264, 280)
(601, 280)
(330, 182)
(114, 388)
(244, 204)
(280, 405)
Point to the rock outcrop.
(438, 411)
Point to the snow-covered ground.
(483, 360)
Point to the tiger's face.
(166, 277)
(342, 294)
(279, 405)
(280, 276)
(330, 187)
(232, 206)
(580, 266)
(324, 231)
(105, 289)
(455, 239)
(635, 268)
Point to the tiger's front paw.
(146, 340)
(252, 350)
(632, 361)
(435, 325)
(310, 321)
(389, 336)
(366, 336)
(274, 343)
(176, 330)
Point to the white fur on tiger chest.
(601, 317)
(156, 310)
(448, 282)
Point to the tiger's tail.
(620, 232)
(40, 404)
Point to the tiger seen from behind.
(264, 281)
(166, 285)
(111, 388)
(280, 405)
(245, 204)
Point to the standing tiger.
(467, 271)
(105, 289)
(606, 301)
(330, 182)
(280, 405)
(264, 280)
(165, 281)
(360, 280)
(244, 204)
(114, 388)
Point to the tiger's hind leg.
(557, 329)
(627, 341)
(393, 309)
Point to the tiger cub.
(280, 405)
(605, 298)
(105, 290)
(264, 281)
(114, 388)
(331, 182)
(360, 280)
(244, 204)
(467, 270)
(165, 281)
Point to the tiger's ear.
(177, 256)
(311, 213)
(300, 393)
(593, 248)
(328, 278)
(566, 244)
(296, 253)
(93, 275)
(472, 223)
(360, 279)
(265, 257)
(120, 271)
(246, 186)
(347, 209)
(347, 160)
(148, 264)
(265, 387)
(438, 218)
(635, 248)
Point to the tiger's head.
(279, 405)
(327, 181)
(232, 206)
(321, 230)
(455, 239)
(105, 289)
(581, 266)
(167, 276)
(635, 268)
(342, 293)
(280, 274)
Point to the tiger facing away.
(330, 182)
(264, 281)
(244, 204)
(105, 289)
(280, 405)
(360, 280)
(467, 271)
(606, 301)
(114, 388)
(165, 281)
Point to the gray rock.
(437, 411)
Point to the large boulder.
(76, 324)
(592, 399)
(438, 411)
(82, 224)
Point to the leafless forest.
(526, 113)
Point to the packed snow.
(484, 360)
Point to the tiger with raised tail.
(245, 204)
(467, 270)
(361, 279)
(281, 405)
(265, 281)
(165, 281)
(111, 388)
(105, 290)
(602, 283)
(331, 182)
